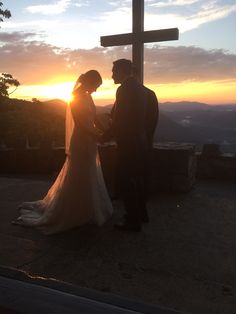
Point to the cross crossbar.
(144, 37)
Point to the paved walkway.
(184, 259)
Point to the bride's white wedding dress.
(78, 195)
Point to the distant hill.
(220, 117)
(32, 120)
(55, 102)
(56, 106)
(193, 106)
(203, 123)
(182, 106)
(171, 131)
(167, 130)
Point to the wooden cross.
(138, 37)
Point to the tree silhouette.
(4, 13)
(6, 80)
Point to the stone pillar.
(173, 167)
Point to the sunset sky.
(47, 44)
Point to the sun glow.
(212, 92)
(104, 95)
(45, 92)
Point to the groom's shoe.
(145, 217)
(125, 226)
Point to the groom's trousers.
(132, 181)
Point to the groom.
(134, 119)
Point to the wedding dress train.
(78, 195)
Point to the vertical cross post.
(138, 46)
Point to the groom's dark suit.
(134, 118)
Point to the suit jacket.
(152, 114)
(134, 115)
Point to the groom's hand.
(100, 139)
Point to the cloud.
(34, 62)
(50, 9)
(180, 64)
(82, 3)
(114, 18)
(36, 24)
(186, 14)
(171, 3)
(189, 14)
(14, 36)
(211, 12)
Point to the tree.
(4, 13)
(35, 100)
(7, 81)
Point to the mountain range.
(191, 122)
(192, 106)
(195, 122)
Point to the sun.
(59, 90)
(45, 92)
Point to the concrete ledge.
(22, 293)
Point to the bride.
(78, 195)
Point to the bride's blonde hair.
(90, 77)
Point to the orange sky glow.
(212, 92)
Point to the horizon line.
(107, 102)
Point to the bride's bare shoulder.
(78, 98)
(81, 103)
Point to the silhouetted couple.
(79, 195)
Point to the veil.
(69, 122)
(68, 128)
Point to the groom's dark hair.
(124, 64)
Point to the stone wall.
(31, 160)
(174, 167)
